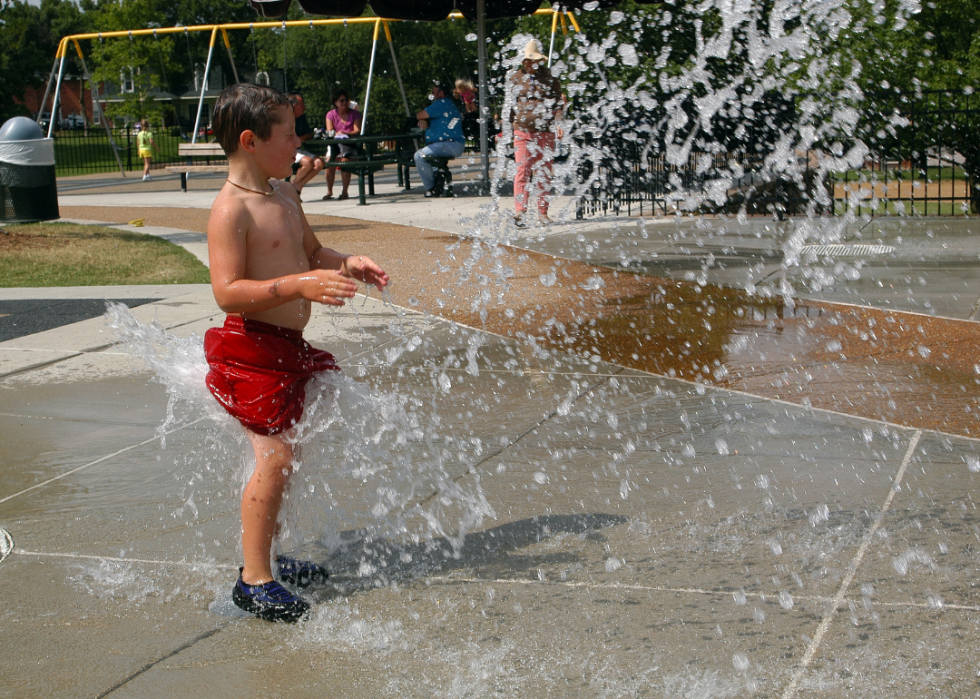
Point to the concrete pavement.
(629, 534)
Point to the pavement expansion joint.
(117, 559)
(175, 651)
(98, 461)
(852, 569)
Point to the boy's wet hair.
(246, 107)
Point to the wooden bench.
(197, 150)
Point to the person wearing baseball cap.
(443, 126)
(536, 107)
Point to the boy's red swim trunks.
(259, 372)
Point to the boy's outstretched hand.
(364, 269)
(326, 286)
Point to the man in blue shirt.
(443, 126)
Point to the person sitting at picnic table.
(341, 121)
(443, 125)
(309, 164)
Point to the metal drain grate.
(845, 250)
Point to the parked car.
(73, 122)
(44, 120)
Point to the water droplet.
(821, 513)
(628, 55)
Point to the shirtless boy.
(267, 269)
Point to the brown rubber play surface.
(905, 368)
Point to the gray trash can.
(28, 190)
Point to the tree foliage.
(918, 69)
(29, 37)
(711, 75)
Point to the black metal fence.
(930, 166)
(89, 151)
(933, 184)
(626, 178)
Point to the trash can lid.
(20, 129)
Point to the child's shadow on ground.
(364, 564)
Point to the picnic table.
(376, 151)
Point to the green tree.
(923, 94)
(29, 38)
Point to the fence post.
(129, 151)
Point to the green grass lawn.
(69, 254)
(930, 174)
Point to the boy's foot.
(146, 177)
(300, 573)
(342, 197)
(325, 197)
(269, 601)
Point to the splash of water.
(369, 466)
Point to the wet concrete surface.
(697, 492)
(934, 268)
(28, 316)
(652, 537)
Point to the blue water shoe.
(300, 573)
(269, 601)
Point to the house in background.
(76, 109)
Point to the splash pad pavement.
(694, 535)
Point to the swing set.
(378, 24)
